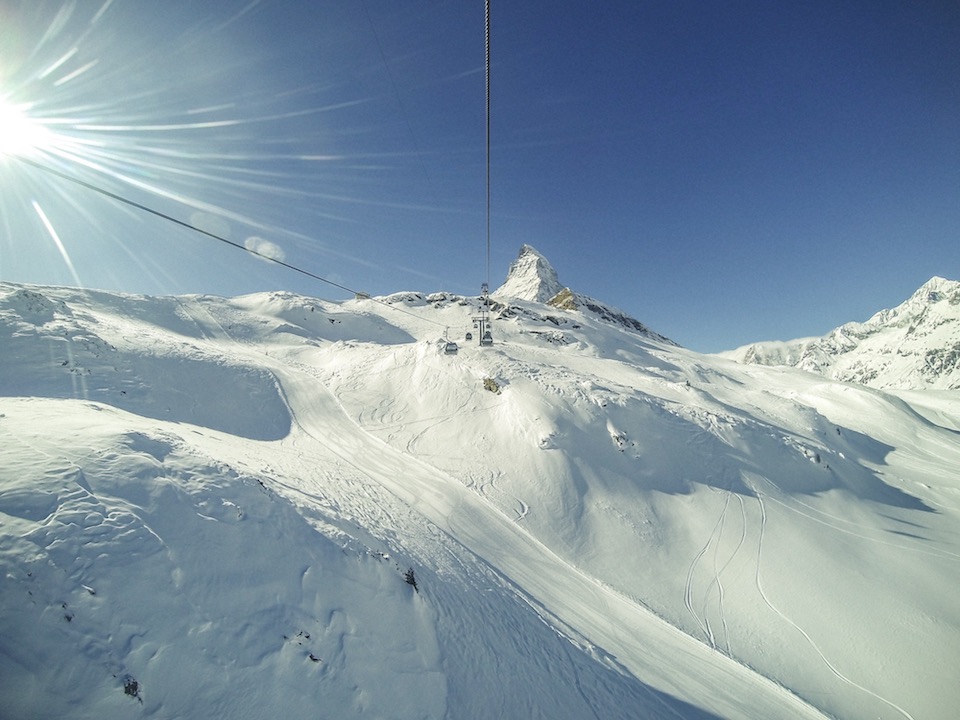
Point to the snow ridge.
(915, 345)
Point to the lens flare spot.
(20, 135)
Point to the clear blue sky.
(724, 172)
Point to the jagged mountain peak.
(531, 277)
(937, 287)
(936, 290)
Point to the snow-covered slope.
(218, 507)
(915, 345)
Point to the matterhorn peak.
(531, 278)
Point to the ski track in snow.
(714, 542)
(806, 636)
(836, 523)
(491, 490)
(719, 569)
(688, 600)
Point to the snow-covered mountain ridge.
(533, 279)
(915, 345)
(212, 507)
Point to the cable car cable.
(486, 40)
(214, 236)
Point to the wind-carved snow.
(622, 528)
(915, 345)
(158, 367)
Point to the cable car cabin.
(450, 348)
(486, 339)
(469, 336)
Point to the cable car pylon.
(482, 321)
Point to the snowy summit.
(531, 277)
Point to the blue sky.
(724, 172)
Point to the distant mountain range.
(913, 346)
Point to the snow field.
(600, 524)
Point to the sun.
(20, 135)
